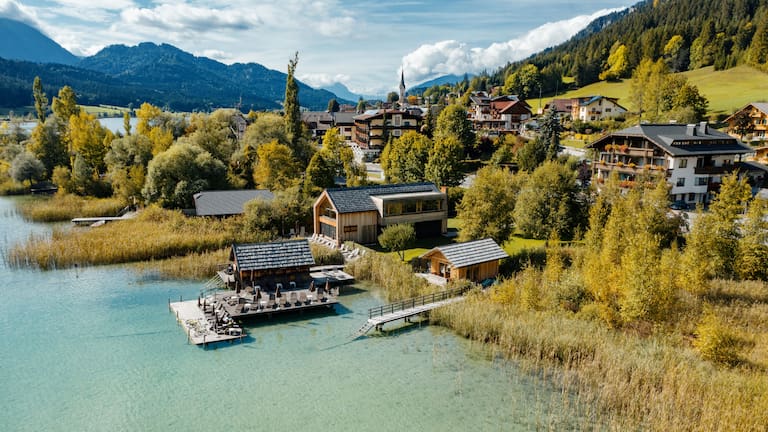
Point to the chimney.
(703, 128)
(690, 130)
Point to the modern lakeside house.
(358, 214)
(693, 157)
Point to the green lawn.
(512, 246)
(726, 90)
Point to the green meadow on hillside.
(726, 90)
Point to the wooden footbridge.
(405, 309)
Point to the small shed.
(475, 260)
(267, 264)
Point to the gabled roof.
(589, 100)
(561, 105)
(681, 140)
(358, 199)
(761, 106)
(470, 253)
(272, 255)
(224, 203)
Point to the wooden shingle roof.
(272, 255)
(224, 203)
(358, 199)
(470, 253)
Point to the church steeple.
(402, 87)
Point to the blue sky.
(360, 43)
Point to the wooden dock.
(405, 309)
(197, 326)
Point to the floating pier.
(201, 330)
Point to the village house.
(503, 114)
(358, 214)
(757, 112)
(692, 157)
(596, 108)
(476, 260)
(374, 127)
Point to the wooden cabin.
(359, 213)
(476, 260)
(267, 264)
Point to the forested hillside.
(686, 34)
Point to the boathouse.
(476, 260)
(268, 264)
(359, 213)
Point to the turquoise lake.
(96, 349)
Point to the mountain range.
(162, 75)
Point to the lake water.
(115, 124)
(97, 349)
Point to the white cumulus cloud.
(184, 17)
(16, 11)
(319, 80)
(453, 57)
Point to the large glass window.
(328, 230)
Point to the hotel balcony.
(722, 169)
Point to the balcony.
(722, 169)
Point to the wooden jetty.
(405, 309)
(249, 304)
(198, 327)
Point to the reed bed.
(154, 235)
(655, 382)
(326, 256)
(194, 266)
(395, 277)
(66, 207)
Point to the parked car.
(679, 205)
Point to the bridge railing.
(414, 302)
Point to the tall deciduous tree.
(26, 167)
(486, 210)
(452, 121)
(175, 175)
(41, 100)
(549, 202)
(291, 105)
(46, 144)
(403, 159)
(444, 163)
(276, 169)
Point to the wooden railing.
(414, 302)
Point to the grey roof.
(358, 199)
(471, 252)
(344, 118)
(675, 140)
(223, 203)
(273, 255)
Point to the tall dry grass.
(642, 377)
(66, 207)
(194, 266)
(394, 276)
(154, 235)
(639, 380)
